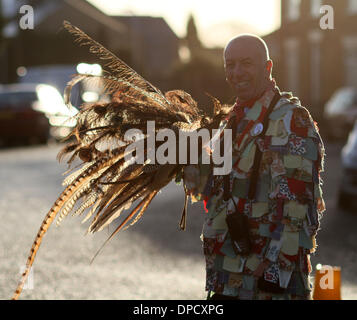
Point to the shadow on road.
(160, 223)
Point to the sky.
(216, 21)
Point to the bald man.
(263, 217)
(248, 66)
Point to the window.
(352, 6)
(184, 54)
(315, 6)
(315, 73)
(9, 8)
(350, 61)
(315, 38)
(292, 65)
(293, 10)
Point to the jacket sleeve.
(199, 178)
(297, 160)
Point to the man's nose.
(238, 71)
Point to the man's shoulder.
(288, 104)
(297, 119)
(284, 106)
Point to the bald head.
(247, 65)
(255, 43)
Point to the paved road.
(152, 260)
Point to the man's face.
(246, 69)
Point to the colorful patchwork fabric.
(284, 216)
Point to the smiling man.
(262, 218)
(248, 66)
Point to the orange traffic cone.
(327, 283)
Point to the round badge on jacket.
(257, 129)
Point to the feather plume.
(118, 68)
(108, 182)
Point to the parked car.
(54, 75)
(347, 198)
(31, 113)
(340, 113)
(19, 121)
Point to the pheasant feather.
(107, 181)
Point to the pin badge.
(257, 130)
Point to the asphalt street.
(151, 260)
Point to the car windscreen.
(344, 100)
(17, 99)
(349, 152)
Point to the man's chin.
(244, 95)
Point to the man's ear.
(269, 66)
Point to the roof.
(44, 10)
(92, 11)
(146, 24)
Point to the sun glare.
(217, 21)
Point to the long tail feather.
(46, 223)
(58, 205)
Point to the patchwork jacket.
(285, 213)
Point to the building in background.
(154, 47)
(309, 61)
(197, 50)
(147, 44)
(49, 44)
